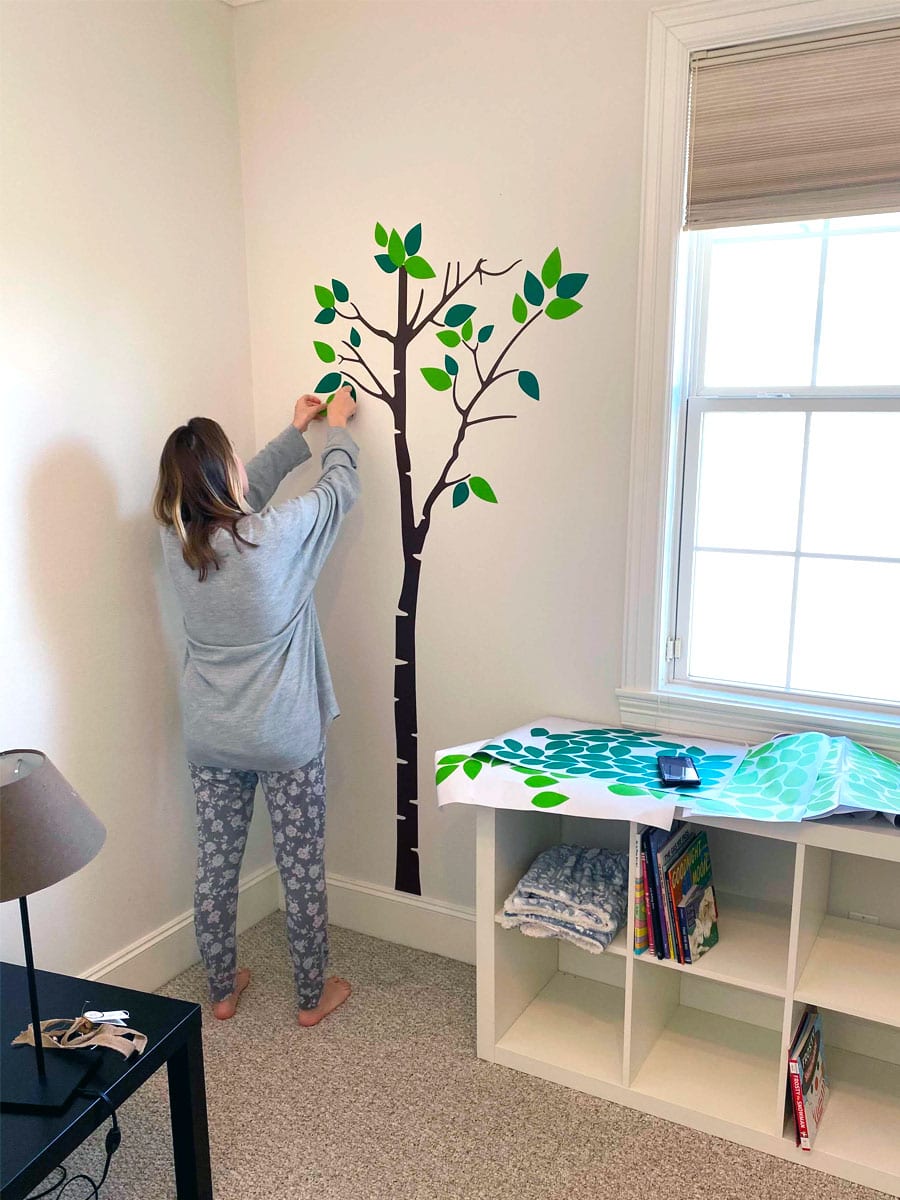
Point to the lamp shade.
(47, 832)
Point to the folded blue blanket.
(571, 892)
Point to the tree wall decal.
(551, 294)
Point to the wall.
(125, 315)
(506, 129)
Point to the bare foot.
(334, 993)
(224, 1010)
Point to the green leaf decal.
(396, 252)
(458, 313)
(451, 365)
(560, 308)
(341, 291)
(570, 285)
(355, 338)
(552, 269)
(443, 772)
(529, 385)
(418, 268)
(324, 296)
(437, 378)
(329, 383)
(385, 262)
(534, 293)
(539, 781)
(467, 330)
(325, 352)
(381, 237)
(460, 494)
(472, 767)
(519, 309)
(325, 317)
(627, 789)
(485, 332)
(413, 240)
(449, 337)
(548, 799)
(482, 489)
(452, 758)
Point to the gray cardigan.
(256, 690)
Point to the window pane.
(740, 615)
(762, 313)
(873, 221)
(749, 487)
(852, 503)
(861, 312)
(845, 640)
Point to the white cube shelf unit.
(706, 1045)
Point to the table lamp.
(47, 833)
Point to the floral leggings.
(296, 802)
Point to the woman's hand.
(342, 407)
(306, 409)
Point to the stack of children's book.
(675, 902)
(808, 1083)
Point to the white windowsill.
(732, 718)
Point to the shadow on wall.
(115, 709)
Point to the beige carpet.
(386, 1099)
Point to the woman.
(256, 692)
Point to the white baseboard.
(446, 929)
(153, 960)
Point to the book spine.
(676, 923)
(651, 936)
(640, 900)
(799, 1109)
(685, 940)
(652, 892)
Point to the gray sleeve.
(312, 521)
(267, 469)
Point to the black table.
(32, 1145)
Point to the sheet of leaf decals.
(578, 769)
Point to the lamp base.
(25, 1091)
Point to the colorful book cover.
(670, 852)
(698, 913)
(651, 936)
(653, 839)
(692, 868)
(808, 1080)
(641, 940)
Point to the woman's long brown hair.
(199, 491)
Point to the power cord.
(113, 1141)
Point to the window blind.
(795, 130)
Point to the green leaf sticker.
(534, 293)
(458, 313)
(539, 781)
(325, 352)
(437, 378)
(329, 383)
(418, 268)
(519, 309)
(627, 789)
(529, 385)
(413, 240)
(355, 338)
(341, 291)
(472, 767)
(443, 773)
(449, 337)
(560, 308)
(386, 263)
(325, 317)
(396, 252)
(570, 285)
(485, 332)
(451, 365)
(324, 296)
(482, 489)
(552, 269)
(460, 494)
(381, 236)
(452, 758)
(467, 330)
(548, 799)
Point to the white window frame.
(647, 697)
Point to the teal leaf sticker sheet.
(578, 769)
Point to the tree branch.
(504, 417)
(357, 357)
(415, 315)
(382, 333)
(449, 292)
(363, 388)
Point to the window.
(786, 563)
